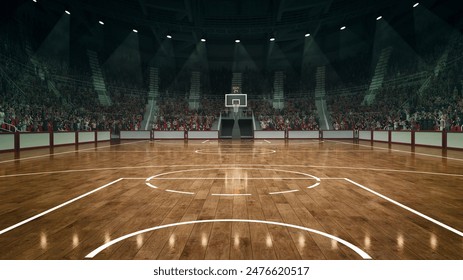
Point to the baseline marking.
(342, 241)
(57, 207)
(407, 208)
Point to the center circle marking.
(160, 175)
(230, 151)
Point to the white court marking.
(228, 178)
(314, 185)
(407, 208)
(230, 194)
(158, 177)
(230, 151)
(226, 165)
(356, 249)
(205, 141)
(70, 152)
(399, 151)
(267, 141)
(290, 191)
(151, 186)
(58, 207)
(173, 191)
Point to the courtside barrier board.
(263, 134)
(131, 135)
(293, 134)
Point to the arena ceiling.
(221, 22)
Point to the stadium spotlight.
(237, 41)
(134, 30)
(380, 17)
(203, 40)
(169, 36)
(100, 22)
(307, 35)
(35, 1)
(416, 4)
(272, 39)
(67, 12)
(343, 27)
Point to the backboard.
(235, 99)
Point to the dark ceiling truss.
(187, 17)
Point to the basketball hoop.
(236, 101)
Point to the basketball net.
(236, 108)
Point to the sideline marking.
(69, 152)
(342, 241)
(57, 207)
(407, 208)
(399, 151)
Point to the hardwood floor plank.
(233, 180)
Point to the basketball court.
(232, 199)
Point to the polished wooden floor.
(265, 199)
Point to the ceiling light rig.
(380, 17)
(67, 12)
(272, 39)
(101, 22)
(135, 30)
(169, 36)
(237, 41)
(203, 40)
(416, 4)
(342, 28)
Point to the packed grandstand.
(43, 93)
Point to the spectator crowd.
(52, 96)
